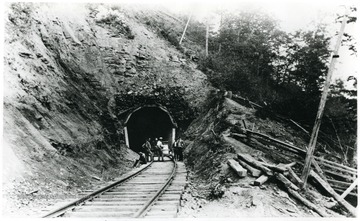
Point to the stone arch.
(149, 121)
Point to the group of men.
(150, 149)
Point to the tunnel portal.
(148, 122)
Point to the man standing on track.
(147, 150)
(160, 149)
(178, 150)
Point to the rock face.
(68, 74)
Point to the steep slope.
(71, 72)
(216, 190)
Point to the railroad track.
(152, 192)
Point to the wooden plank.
(241, 172)
(259, 181)
(338, 169)
(286, 182)
(343, 188)
(341, 183)
(274, 167)
(294, 177)
(250, 160)
(291, 147)
(332, 173)
(318, 169)
(348, 190)
(352, 193)
(300, 151)
(332, 192)
(336, 166)
(254, 172)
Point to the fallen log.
(307, 203)
(337, 165)
(294, 177)
(250, 160)
(316, 161)
(349, 189)
(289, 146)
(254, 172)
(341, 191)
(259, 181)
(241, 172)
(274, 167)
(286, 182)
(339, 183)
(332, 192)
(336, 174)
(296, 195)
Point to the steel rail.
(149, 203)
(90, 196)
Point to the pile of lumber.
(342, 177)
(284, 175)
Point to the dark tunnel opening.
(148, 122)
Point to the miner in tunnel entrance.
(149, 122)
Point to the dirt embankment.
(215, 190)
(70, 73)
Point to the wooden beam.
(342, 191)
(291, 147)
(250, 160)
(254, 172)
(340, 183)
(294, 177)
(302, 152)
(275, 167)
(286, 182)
(332, 192)
(306, 202)
(335, 165)
(241, 172)
(339, 169)
(315, 131)
(261, 180)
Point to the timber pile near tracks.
(153, 192)
(341, 178)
